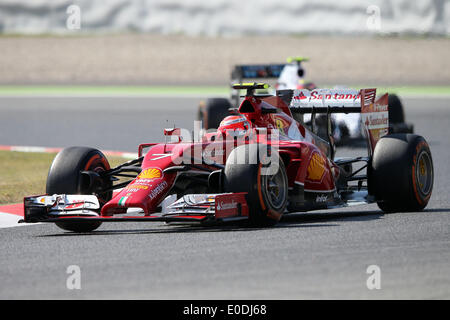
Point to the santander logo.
(226, 206)
(336, 96)
(301, 96)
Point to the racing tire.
(401, 175)
(64, 178)
(263, 178)
(212, 111)
(395, 107)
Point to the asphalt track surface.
(318, 255)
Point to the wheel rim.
(274, 187)
(424, 173)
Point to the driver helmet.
(239, 124)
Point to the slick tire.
(212, 111)
(64, 178)
(263, 178)
(401, 175)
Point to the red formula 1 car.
(259, 165)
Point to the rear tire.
(401, 175)
(267, 194)
(212, 111)
(64, 178)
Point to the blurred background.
(175, 42)
(113, 74)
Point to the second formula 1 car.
(260, 164)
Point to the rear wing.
(253, 71)
(257, 71)
(328, 100)
(374, 113)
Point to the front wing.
(197, 208)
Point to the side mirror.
(173, 132)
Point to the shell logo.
(316, 167)
(150, 173)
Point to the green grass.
(24, 90)
(25, 173)
(113, 90)
(414, 90)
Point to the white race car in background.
(346, 128)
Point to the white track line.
(8, 220)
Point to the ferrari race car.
(259, 165)
(346, 129)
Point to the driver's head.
(239, 124)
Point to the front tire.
(64, 178)
(264, 181)
(402, 173)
